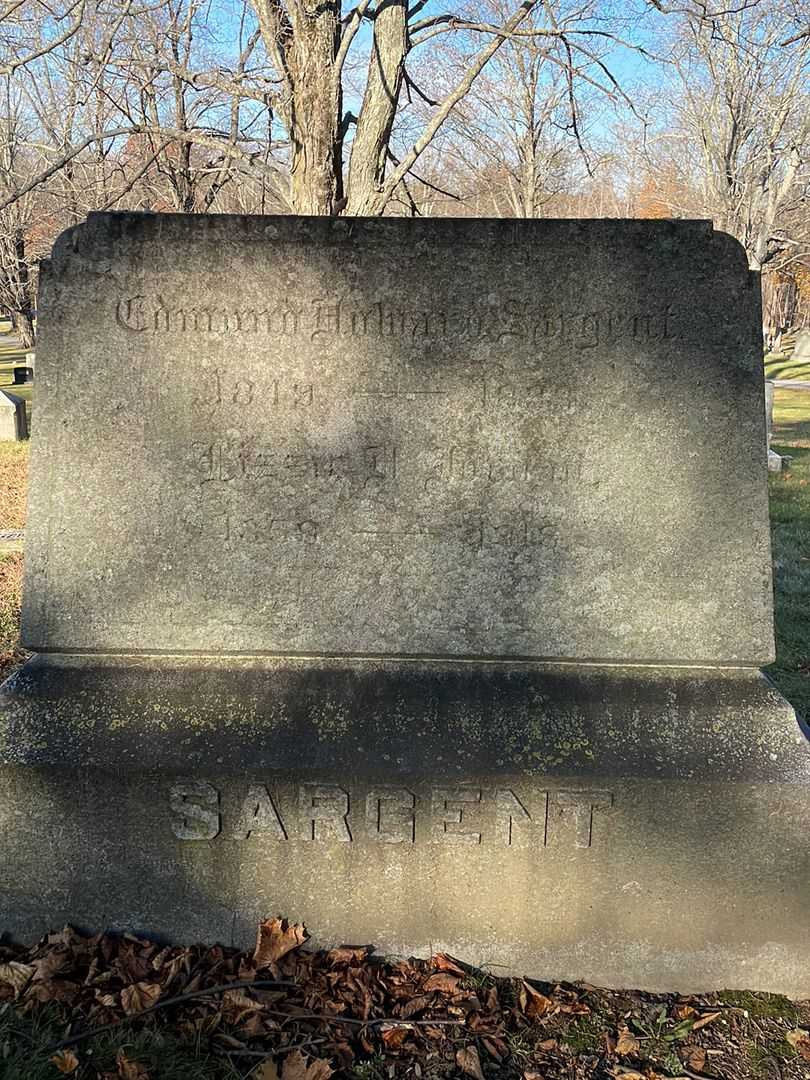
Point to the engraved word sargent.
(391, 814)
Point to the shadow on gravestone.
(376, 613)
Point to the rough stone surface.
(625, 826)
(367, 475)
(377, 437)
(13, 421)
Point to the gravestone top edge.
(346, 230)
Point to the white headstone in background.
(13, 423)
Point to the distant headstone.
(392, 626)
(13, 422)
(774, 459)
(801, 349)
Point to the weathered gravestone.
(13, 421)
(410, 578)
(774, 459)
(801, 350)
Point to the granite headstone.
(13, 421)
(410, 578)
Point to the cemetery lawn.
(123, 1008)
(790, 529)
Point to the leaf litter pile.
(117, 1007)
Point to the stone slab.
(642, 827)
(13, 421)
(395, 437)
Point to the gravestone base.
(629, 826)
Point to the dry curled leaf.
(469, 1062)
(274, 939)
(800, 1041)
(65, 1061)
(442, 981)
(626, 1043)
(139, 997)
(268, 1070)
(394, 1035)
(683, 1012)
(295, 1067)
(442, 962)
(532, 1003)
(705, 1019)
(696, 1058)
(16, 974)
(413, 1006)
(129, 1069)
(494, 1048)
(347, 954)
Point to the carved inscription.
(516, 531)
(505, 321)
(247, 459)
(388, 814)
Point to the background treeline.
(482, 107)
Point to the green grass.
(790, 527)
(791, 417)
(25, 1039)
(782, 367)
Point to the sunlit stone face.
(446, 438)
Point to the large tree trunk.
(371, 140)
(315, 110)
(303, 44)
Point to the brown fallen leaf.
(274, 939)
(50, 964)
(415, 1005)
(626, 1043)
(238, 1001)
(268, 1070)
(696, 1058)
(442, 962)
(799, 1039)
(16, 974)
(683, 1012)
(138, 997)
(576, 1008)
(442, 981)
(493, 1049)
(295, 1068)
(533, 1003)
(530, 1074)
(65, 1061)
(394, 1035)
(347, 954)
(469, 1062)
(129, 1069)
(706, 1019)
(547, 1044)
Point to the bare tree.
(309, 46)
(743, 125)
